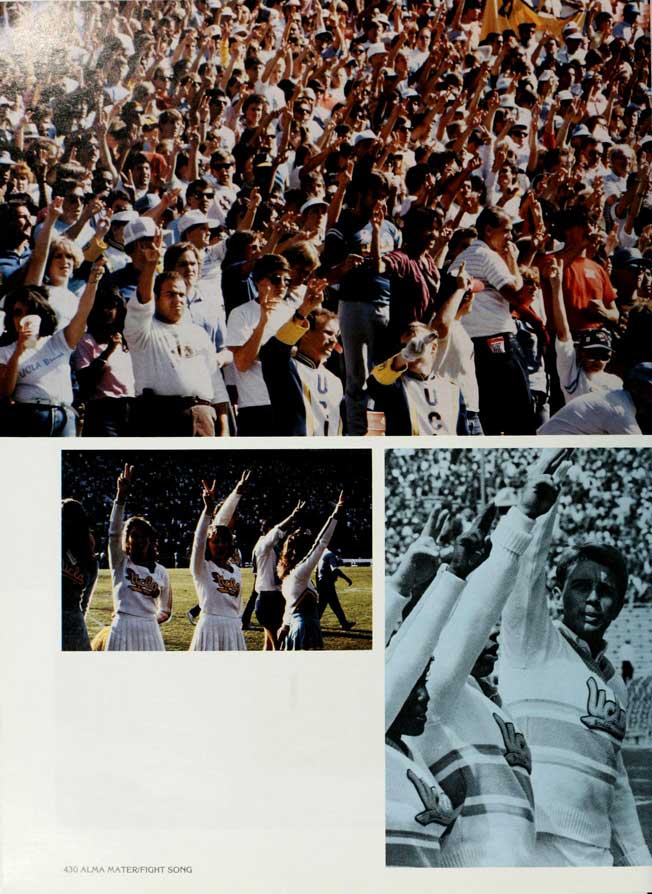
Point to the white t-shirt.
(597, 413)
(573, 379)
(491, 312)
(252, 390)
(457, 364)
(172, 359)
(65, 303)
(43, 371)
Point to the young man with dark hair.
(560, 687)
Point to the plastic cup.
(31, 323)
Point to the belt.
(42, 405)
(180, 402)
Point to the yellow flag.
(501, 15)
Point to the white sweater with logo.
(571, 709)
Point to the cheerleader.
(79, 570)
(142, 596)
(216, 576)
(301, 628)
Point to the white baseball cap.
(124, 216)
(191, 219)
(375, 49)
(140, 228)
(364, 135)
(312, 203)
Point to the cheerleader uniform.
(77, 585)
(470, 744)
(418, 812)
(138, 596)
(301, 598)
(219, 628)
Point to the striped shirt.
(490, 313)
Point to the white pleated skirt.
(215, 633)
(133, 634)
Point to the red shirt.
(585, 280)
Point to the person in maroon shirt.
(412, 272)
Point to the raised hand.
(422, 558)
(243, 485)
(97, 271)
(543, 481)
(473, 546)
(340, 502)
(415, 348)
(54, 210)
(208, 495)
(124, 483)
(462, 279)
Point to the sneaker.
(348, 625)
(191, 617)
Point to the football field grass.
(177, 633)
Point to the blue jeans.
(364, 327)
(40, 420)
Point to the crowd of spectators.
(168, 485)
(607, 498)
(318, 216)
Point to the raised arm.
(229, 506)
(77, 326)
(488, 588)
(201, 531)
(553, 272)
(116, 553)
(526, 623)
(309, 563)
(38, 260)
(416, 571)
(148, 273)
(289, 521)
(409, 652)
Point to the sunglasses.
(222, 167)
(205, 195)
(278, 280)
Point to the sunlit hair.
(138, 521)
(69, 247)
(296, 547)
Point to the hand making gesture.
(124, 483)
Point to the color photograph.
(216, 551)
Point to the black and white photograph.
(216, 551)
(518, 665)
